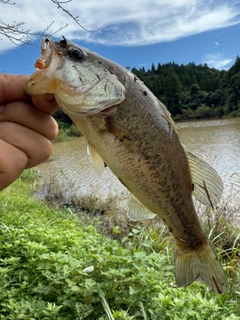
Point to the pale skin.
(26, 128)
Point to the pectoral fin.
(207, 184)
(96, 159)
(124, 135)
(137, 211)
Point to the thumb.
(45, 102)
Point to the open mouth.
(47, 46)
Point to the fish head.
(80, 82)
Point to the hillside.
(194, 91)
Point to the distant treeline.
(192, 91)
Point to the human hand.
(26, 128)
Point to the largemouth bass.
(130, 130)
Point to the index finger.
(12, 87)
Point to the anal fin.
(137, 211)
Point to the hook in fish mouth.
(47, 46)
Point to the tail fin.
(201, 265)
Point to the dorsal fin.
(207, 184)
(137, 211)
(96, 159)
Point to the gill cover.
(81, 85)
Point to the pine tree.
(153, 68)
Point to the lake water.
(216, 141)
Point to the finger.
(12, 163)
(45, 102)
(12, 87)
(37, 147)
(25, 114)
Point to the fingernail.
(49, 97)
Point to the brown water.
(216, 141)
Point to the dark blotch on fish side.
(144, 93)
(135, 78)
(125, 137)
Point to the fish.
(129, 130)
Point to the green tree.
(235, 68)
(153, 68)
(156, 87)
(173, 93)
(194, 89)
(203, 111)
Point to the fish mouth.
(47, 50)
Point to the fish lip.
(46, 44)
(47, 50)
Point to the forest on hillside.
(191, 91)
(195, 91)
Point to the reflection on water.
(216, 141)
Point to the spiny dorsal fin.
(208, 186)
(137, 211)
(96, 159)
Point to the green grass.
(67, 132)
(44, 254)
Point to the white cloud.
(216, 43)
(131, 23)
(217, 61)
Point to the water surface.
(216, 141)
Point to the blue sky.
(132, 33)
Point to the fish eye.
(76, 54)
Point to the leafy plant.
(55, 266)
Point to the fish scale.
(130, 130)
